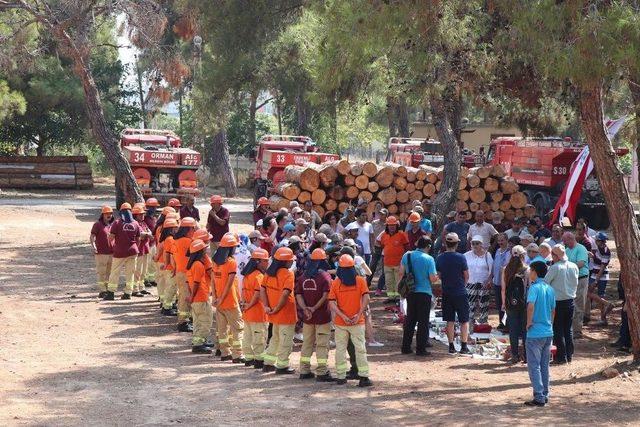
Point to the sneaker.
(102, 294)
(375, 343)
(423, 353)
(307, 376)
(365, 382)
(201, 349)
(534, 403)
(464, 350)
(169, 312)
(238, 360)
(136, 294)
(226, 358)
(145, 292)
(285, 371)
(268, 368)
(185, 327)
(125, 296)
(110, 296)
(452, 349)
(298, 337)
(406, 351)
(249, 362)
(326, 378)
(341, 381)
(353, 375)
(258, 364)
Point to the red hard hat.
(203, 235)
(392, 220)
(152, 202)
(174, 203)
(107, 209)
(125, 206)
(187, 221)
(346, 261)
(215, 199)
(228, 241)
(414, 217)
(318, 254)
(260, 254)
(284, 254)
(197, 245)
(263, 201)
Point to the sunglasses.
(476, 243)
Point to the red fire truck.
(161, 167)
(541, 167)
(421, 151)
(276, 152)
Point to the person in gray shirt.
(563, 278)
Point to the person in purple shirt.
(189, 209)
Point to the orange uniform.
(179, 252)
(167, 248)
(275, 286)
(393, 247)
(251, 285)
(348, 298)
(220, 277)
(198, 274)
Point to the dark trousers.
(376, 257)
(625, 334)
(563, 330)
(517, 323)
(497, 295)
(418, 308)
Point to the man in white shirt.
(482, 229)
(365, 234)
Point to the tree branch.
(259, 106)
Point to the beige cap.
(451, 237)
(518, 250)
(321, 237)
(255, 234)
(296, 210)
(477, 238)
(533, 247)
(301, 221)
(295, 239)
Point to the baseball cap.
(451, 237)
(255, 234)
(477, 238)
(451, 214)
(418, 209)
(321, 237)
(384, 211)
(296, 210)
(295, 239)
(301, 221)
(289, 227)
(259, 223)
(602, 236)
(527, 237)
(518, 251)
(350, 242)
(351, 226)
(533, 247)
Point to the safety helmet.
(170, 223)
(346, 261)
(263, 201)
(187, 221)
(318, 254)
(392, 220)
(168, 210)
(259, 253)
(107, 209)
(152, 202)
(414, 217)
(284, 254)
(137, 210)
(228, 241)
(174, 203)
(203, 235)
(139, 205)
(125, 206)
(197, 245)
(215, 199)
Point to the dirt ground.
(67, 358)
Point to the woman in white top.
(480, 264)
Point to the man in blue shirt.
(460, 227)
(501, 259)
(425, 223)
(541, 308)
(577, 254)
(454, 274)
(423, 268)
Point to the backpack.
(515, 293)
(407, 284)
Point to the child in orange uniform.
(255, 320)
(143, 251)
(157, 257)
(163, 255)
(199, 276)
(179, 259)
(225, 299)
(348, 299)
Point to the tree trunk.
(623, 221)
(446, 198)
(333, 121)
(302, 113)
(456, 109)
(391, 117)
(403, 117)
(40, 148)
(253, 101)
(220, 157)
(143, 107)
(279, 114)
(635, 96)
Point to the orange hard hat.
(215, 199)
(318, 254)
(187, 221)
(203, 235)
(392, 220)
(137, 210)
(231, 233)
(107, 209)
(414, 217)
(284, 254)
(152, 202)
(228, 241)
(263, 201)
(175, 203)
(125, 206)
(259, 254)
(168, 210)
(346, 261)
(170, 223)
(139, 205)
(196, 246)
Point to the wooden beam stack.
(334, 186)
(56, 172)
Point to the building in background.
(474, 135)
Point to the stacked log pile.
(56, 172)
(334, 186)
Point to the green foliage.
(11, 102)
(238, 130)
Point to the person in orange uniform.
(199, 276)
(158, 257)
(102, 249)
(279, 305)
(179, 259)
(143, 251)
(151, 205)
(225, 300)
(348, 299)
(394, 245)
(163, 257)
(124, 235)
(255, 319)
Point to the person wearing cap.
(315, 218)
(427, 204)
(143, 252)
(102, 249)
(517, 228)
(254, 240)
(480, 263)
(296, 213)
(175, 204)
(348, 300)
(513, 299)
(320, 241)
(378, 226)
(423, 267)
(498, 224)
(311, 292)
(425, 223)
(189, 210)
(179, 259)
(276, 294)
(268, 232)
(167, 285)
(483, 229)
(348, 217)
(541, 305)
(124, 236)
(438, 245)
(578, 254)
(394, 244)
(539, 234)
(414, 230)
(562, 276)
(199, 277)
(289, 229)
(461, 228)
(262, 209)
(151, 205)
(600, 257)
(454, 274)
(556, 236)
(533, 254)
(225, 300)
(217, 221)
(301, 228)
(526, 239)
(254, 335)
(545, 252)
(351, 233)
